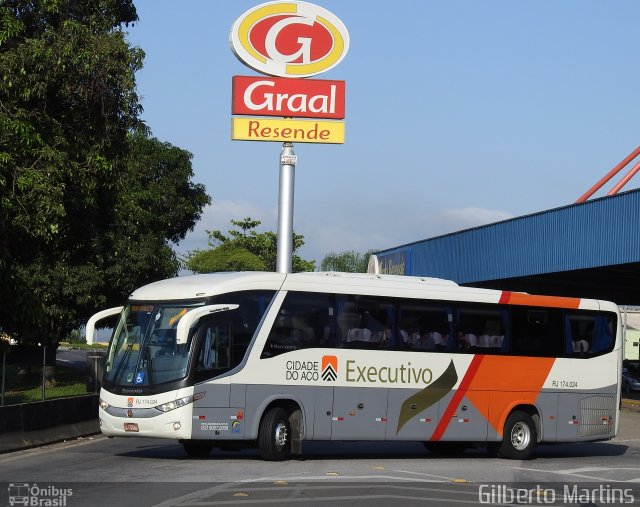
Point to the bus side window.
(604, 332)
(214, 352)
(305, 320)
(348, 319)
(427, 324)
(536, 331)
(588, 335)
(368, 322)
(482, 329)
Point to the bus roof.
(202, 286)
(206, 285)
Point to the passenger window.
(368, 322)
(588, 334)
(225, 337)
(428, 325)
(305, 320)
(536, 331)
(214, 353)
(482, 329)
(215, 339)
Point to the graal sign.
(301, 98)
(289, 39)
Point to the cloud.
(379, 230)
(218, 215)
(336, 231)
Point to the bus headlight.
(103, 404)
(180, 402)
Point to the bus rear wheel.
(274, 436)
(519, 437)
(196, 449)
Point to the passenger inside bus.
(581, 346)
(427, 340)
(466, 340)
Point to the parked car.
(629, 381)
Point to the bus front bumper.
(175, 424)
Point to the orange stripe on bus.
(519, 298)
(457, 397)
(502, 383)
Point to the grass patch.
(28, 388)
(84, 346)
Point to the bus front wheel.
(274, 437)
(519, 437)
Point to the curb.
(19, 441)
(43, 422)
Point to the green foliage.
(74, 338)
(159, 204)
(89, 201)
(346, 262)
(244, 250)
(68, 100)
(68, 95)
(226, 257)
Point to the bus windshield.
(143, 350)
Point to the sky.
(458, 113)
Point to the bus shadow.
(580, 450)
(321, 451)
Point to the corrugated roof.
(597, 233)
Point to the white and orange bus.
(272, 360)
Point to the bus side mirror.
(91, 323)
(191, 317)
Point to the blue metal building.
(591, 249)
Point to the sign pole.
(288, 160)
(288, 52)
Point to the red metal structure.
(612, 173)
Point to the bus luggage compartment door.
(359, 413)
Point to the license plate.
(131, 427)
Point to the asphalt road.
(146, 472)
(73, 358)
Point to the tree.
(67, 102)
(244, 250)
(157, 206)
(225, 257)
(89, 202)
(347, 262)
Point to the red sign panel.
(296, 98)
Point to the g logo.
(289, 39)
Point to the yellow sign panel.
(294, 131)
